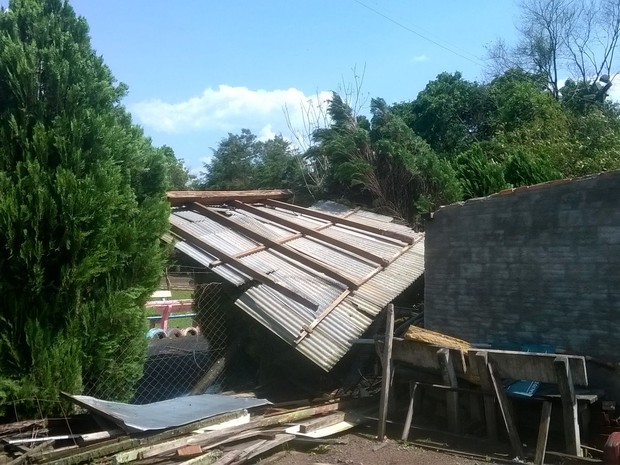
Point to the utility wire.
(422, 36)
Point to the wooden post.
(452, 397)
(504, 408)
(413, 387)
(387, 370)
(543, 433)
(569, 406)
(490, 412)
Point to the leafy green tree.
(177, 175)
(479, 175)
(232, 164)
(383, 163)
(450, 113)
(277, 165)
(81, 213)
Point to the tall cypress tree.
(81, 212)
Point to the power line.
(422, 36)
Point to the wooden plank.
(190, 450)
(413, 389)
(210, 438)
(569, 405)
(307, 329)
(504, 408)
(321, 422)
(28, 454)
(452, 397)
(316, 233)
(343, 221)
(387, 371)
(534, 366)
(543, 433)
(425, 355)
(281, 248)
(277, 441)
(177, 198)
(242, 267)
(479, 361)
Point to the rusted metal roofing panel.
(332, 338)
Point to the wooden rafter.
(310, 232)
(307, 329)
(242, 267)
(219, 197)
(343, 221)
(283, 249)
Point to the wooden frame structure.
(490, 366)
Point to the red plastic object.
(611, 450)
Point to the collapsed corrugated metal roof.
(321, 274)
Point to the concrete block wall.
(536, 265)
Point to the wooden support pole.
(490, 411)
(543, 433)
(386, 359)
(452, 397)
(504, 408)
(413, 388)
(569, 406)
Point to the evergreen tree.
(81, 212)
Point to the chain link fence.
(179, 362)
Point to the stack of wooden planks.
(220, 440)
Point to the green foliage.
(81, 209)
(450, 113)
(241, 161)
(479, 176)
(177, 176)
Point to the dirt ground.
(363, 449)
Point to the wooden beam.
(543, 433)
(242, 267)
(310, 232)
(307, 329)
(449, 378)
(177, 198)
(283, 249)
(479, 360)
(534, 366)
(321, 422)
(343, 221)
(569, 405)
(504, 408)
(387, 371)
(413, 391)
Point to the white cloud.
(420, 58)
(229, 109)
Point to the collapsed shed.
(315, 277)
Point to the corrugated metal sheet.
(332, 338)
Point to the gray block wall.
(536, 265)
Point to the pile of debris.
(206, 429)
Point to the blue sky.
(197, 70)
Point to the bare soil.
(362, 449)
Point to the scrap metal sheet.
(168, 413)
